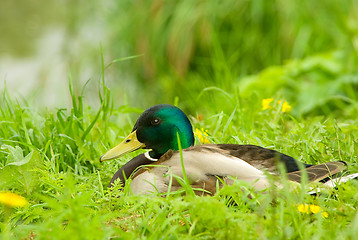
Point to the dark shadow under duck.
(160, 127)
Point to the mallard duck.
(162, 127)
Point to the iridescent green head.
(156, 129)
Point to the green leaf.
(20, 172)
(16, 156)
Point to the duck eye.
(155, 121)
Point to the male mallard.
(158, 129)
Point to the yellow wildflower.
(311, 208)
(266, 103)
(12, 200)
(315, 209)
(324, 214)
(286, 107)
(303, 208)
(202, 135)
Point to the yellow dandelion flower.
(324, 214)
(202, 135)
(315, 209)
(303, 208)
(286, 107)
(311, 208)
(12, 200)
(266, 103)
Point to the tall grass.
(178, 38)
(51, 158)
(189, 46)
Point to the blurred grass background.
(303, 51)
(188, 46)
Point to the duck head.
(156, 129)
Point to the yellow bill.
(129, 144)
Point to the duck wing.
(259, 157)
(203, 167)
(321, 172)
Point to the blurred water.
(41, 43)
(39, 77)
(42, 78)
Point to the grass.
(51, 157)
(178, 37)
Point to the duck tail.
(335, 181)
